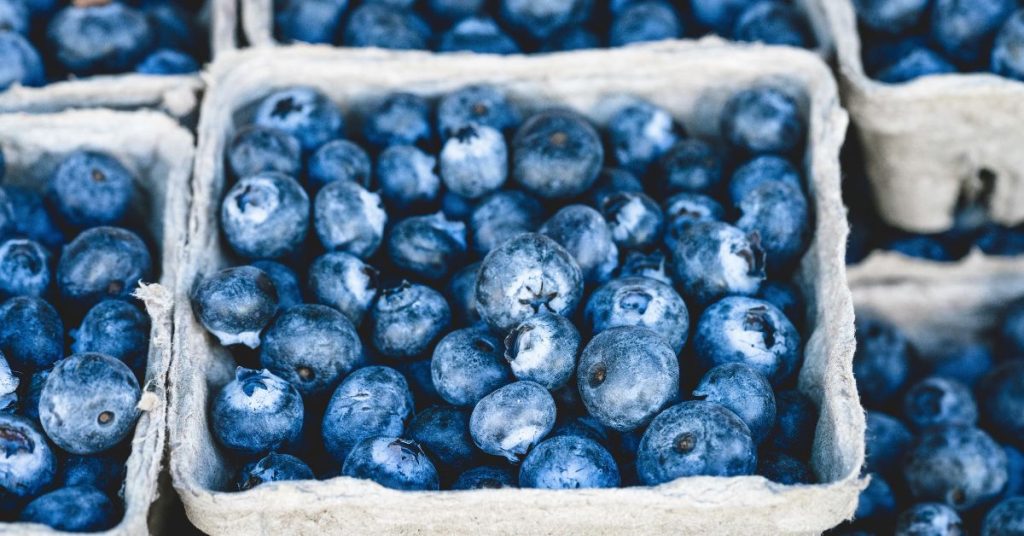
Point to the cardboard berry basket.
(931, 140)
(159, 153)
(692, 80)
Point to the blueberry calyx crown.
(636, 300)
(284, 107)
(757, 319)
(408, 447)
(684, 443)
(537, 298)
(513, 341)
(251, 380)
(755, 255)
(466, 134)
(597, 375)
(15, 442)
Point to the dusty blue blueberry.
(711, 260)
(543, 349)
(19, 62)
(24, 268)
(759, 171)
(344, 282)
(167, 61)
(99, 38)
(1011, 329)
(691, 165)
(429, 247)
(718, 15)
(73, 509)
(887, 441)
(914, 62)
(256, 149)
(406, 320)
(481, 105)
(14, 16)
(527, 274)
(643, 21)
(1001, 398)
(104, 471)
(585, 234)
(474, 161)
(611, 181)
(454, 9)
(542, 19)
(31, 218)
(88, 403)
(91, 188)
(928, 519)
(31, 333)
(635, 220)
(626, 376)
(512, 419)
(118, 329)
(371, 402)
(303, 112)
(957, 465)
(485, 477)
(285, 281)
(784, 469)
(640, 301)
(876, 503)
(338, 160)
(780, 216)
(309, 21)
(501, 216)
(763, 119)
(795, 420)
(235, 304)
(273, 467)
(100, 263)
(349, 218)
(936, 401)
(382, 26)
(685, 208)
(784, 295)
(890, 16)
(257, 413)
(650, 265)
(747, 330)
(1006, 517)
(265, 216)
(393, 463)
(461, 294)
(9, 383)
(556, 154)
(743, 390)
(1008, 52)
(640, 132)
(964, 31)
(27, 464)
(881, 363)
(773, 22)
(312, 347)
(569, 462)
(399, 119)
(467, 365)
(477, 34)
(695, 438)
(407, 177)
(443, 432)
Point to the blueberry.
(1007, 59)
(99, 38)
(430, 247)
(501, 216)
(399, 119)
(1001, 241)
(649, 265)
(118, 329)
(641, 132)
(1011, 330)
(740, 388)
(309, 21)
(104, 471)
(20, 63)
(890, 16)
(587, 427)
(583, 232)
(964, 31)
(454, 9)
(912, 63)
(89, 403)
(569, 462)
(527, 274)
(543, 349)
(626, 376)
(382, 26)
(345, 283)
(938, 401)
(31, 333)
(407, 177)
(265, 216)
(30, 217)
(784, 469)
(571, 38)
(461, 294)
(285, 282)
(467, 365)
(372, 401)
(643, 21)
(958, 465)
(785, 296)
(73, 509)
(443, 432)
(713, 259)
(779, 215)
(761, 120)
(417, 373)
(273, 467)
(795, 420)
(747, 330)
(611, 181)
(406, 320)
(512, 419)
(718, 15)
(1006, 517)
(8, 387)
(175, 26)
(102, 262)
(339, 160)
(485, 477)
(29, 406)
(235, 304)
(542, 19)
(1014, 472)
(477, 34)
(556, 154)
(695, 438)
(312, 347)
(887, 441)
(1001, 398)
(27, 464)
(24, 268)
(14, 16)
(479, 105)
(640, 301)
(474, 161)
(759, 171)
(690, 165)
(684, 208)
(349, 218)
(303, 112)
(928, 519)
(881, 363)
(393, 463)
(90, 188)
(256, 413)
(773, 23)
(635, 220)
(256, 149)
(876, 503)
(167, 61)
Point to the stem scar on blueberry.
(684, 443)
(757, 320)
(480, 109)
(305, 373)
(598, 375)
(483, 345)
(408, 447)
(558, 139)
(115, 287)
(105, 417)
(285, 106)
(958, 496)
(98, 176)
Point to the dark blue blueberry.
(795, 420)
(695, 438)
(938, 401)
(393, 463)
(691, 165)
(175, 26)
(371, 402)
(964, 31)
(481, 105)
(890, 16)
(99, 38)
(626, 376)
(478, 34)
(1007, 57)
(14, 16)
(712, 260)
(635, 220)
(235, 304)
(104, 471)
(309, 21)
(773, 22)
(349, 218)
(89, 403)
(31, 218)
(257, 149)
(501, 216)
(285, 281)
(741, 388)
(747, 330)
(273, 467)
(763, 119)
(167, 61)
(524, 276)
(461, 294)
(118, 329)
(257, 413)
(452, 10)
(90, 189)
(443, 432)
(1011, 330)
(474, 161)
(382, 26)
(887, 441)
(718, 15)
(881, 363)
(643, 21)
(583, 232)
(265, 216)
(31, 333)
(406, 320)
(928, 519)
(757, 172)
(784, 469)
(27, 464)
(683, 209)
(467, 365)
(611, 181)
(640, 132)
(779, 215)
(541, 19)
(312, 347)
(73, 509)
(928, 247)
(1014, 472)
(649, 265)
(407, 177)
(1001, 398)
(914, 62)
(101, 263)
(1001, 241)
(556, 154)
(345, 283)
(571, 38)
(512, 419)
(24, 268)
(430, 247)
(877, 503)
(1005, 518)
(485, 477)
(958, 465)
(303, 112)
(640, 301)
(338, 160)
(543, 349)
(399, 119)
(456, 207)
(569, 462)
(785, 296)
(19, 62)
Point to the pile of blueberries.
(906, 39)
(42, 41)
(66, 420)
(944, 433)
(529, 26)
(509, 305)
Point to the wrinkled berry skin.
(512, 419)
(273, 467)
(21, 62)
(928, 519)
(99, 39)
(73, 509)
(881, 362)
(644, 21)
(784, 469)
(372, 401)
(349, 218)
(746, 330)
(890, 16)
(626, 376)
(556, 154)
(27, 464)
(90, 189)
(257, 413)
(399, 119)
(482, 105)
(443, 432)
(312, 347)
(762, 120)
(257, 149)
(501, 216)
(429, 247)
(640, 133)
(302, 112)
(407, 319)
(964, 31)
(887, 440)
(939, 401)
(780, 216)
(1006, 517)
(691, 165)
(1001, 397)
(118, 329)
(265, 216)
(31, 333)
(695, 438)
(712, 260)
(407, 178)
(100, 263)
(569, 462)
(474, 161)
(795, 420)
(743, 390)
(543, 349)
(88, 403)
(640, 301)
(338, 160)
(583, 232)
(958, 465)
(485, 477)
(467, 365)
(393, 463)
(344, 282)
(635, 220)
(235, 304)
(526, 275)
(289, 292)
